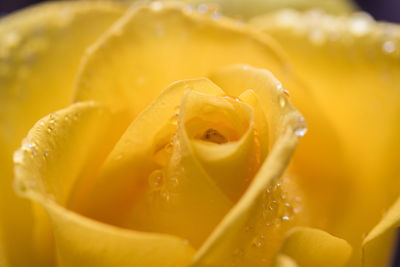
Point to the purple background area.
(388, 10)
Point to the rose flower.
(174, 136)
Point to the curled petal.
(312, 248)
(62, 149)
(251, 232)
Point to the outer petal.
(379, 244)
(251, 232)
(70, 145)
(351, 66)
(153, 46)
(250, 8)
(313, 248)
(40, 50)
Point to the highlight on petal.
(313, 248)
(284, 261)
(250, 234)
(59, 151)
(378, 245)
(155, 45)
(40, 50)
(152, 180)
(350, 64)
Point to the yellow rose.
(153, 165)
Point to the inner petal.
(221, 131)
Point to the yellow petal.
(251, 232)
(313, 248)
(61, 149)
(379, 243)
(350, 64)
(39, 55)
(153, 46)
(284, 261)
(152, 181)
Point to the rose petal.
(313, 248)
(350, 65)
(251, 232)
(139, 191)
(378, 245)
(60, 149)
(40, 50)
(153, 46)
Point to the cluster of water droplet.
(320, 28)
(274, 215)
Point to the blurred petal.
(153, 46)
(351, 66)
(251, 232)
(250, 8)
(70, 145)
(152, 180)
(379, 243)
(40, 50)
(314, 248)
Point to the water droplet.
(18, 156)
(189, 9)
(282, 101)
(285, 218)
(258, 241)
(317, 36)
(388, 47)
(216, 15)
(156, 179)
(46, 153)
(11, 39)
(286, 17)
(360, 23)
(202, 8)
(156, 6)
(286, 92)
(165, 195)
(301, 128)
(159, 30)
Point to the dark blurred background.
(388, 10)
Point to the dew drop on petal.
(388, 47)
(189, 9)
(202, 8)
(156, 6)
(156, 179)
(282, 101)
(360, 24)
